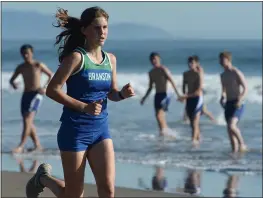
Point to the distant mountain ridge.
(33, 25)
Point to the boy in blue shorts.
(159, 76)
(193, 82)
(204, 111)
(232, 99)
(31, 71)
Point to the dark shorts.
(30, 102)
(159, 184)
(192, 189)
(74, 138)
(193, 106)
(162, 101)
(232, 111)
(229, 193)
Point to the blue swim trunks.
(74, 137)
(162, 101)
(230, 192)
(192, 189)
(159, 184)
(194, 105)
(232, 111)
(30, 102)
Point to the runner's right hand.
(93, 108)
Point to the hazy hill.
(33, 25)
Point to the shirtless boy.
(232, 99)
(159, 76)
(193, 81)
(31, 71)
(204, 110)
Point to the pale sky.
(182, 19)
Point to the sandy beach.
(13, 185)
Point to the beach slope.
(13, 185)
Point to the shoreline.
(138, 177)
(19, 180)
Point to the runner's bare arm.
(69, 64)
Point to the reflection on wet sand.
(159, 181)
(22, 167)
(231, 187)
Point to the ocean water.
(133, 127)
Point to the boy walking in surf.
(159, 76)
(204, 110)
(31, 71)
(232, 99)
(193, 81)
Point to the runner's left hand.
(127, 91)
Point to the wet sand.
(13, 185)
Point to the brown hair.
(154, 54)
(225, 54)
(193, 58)
(25, 47)
(72, 36)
